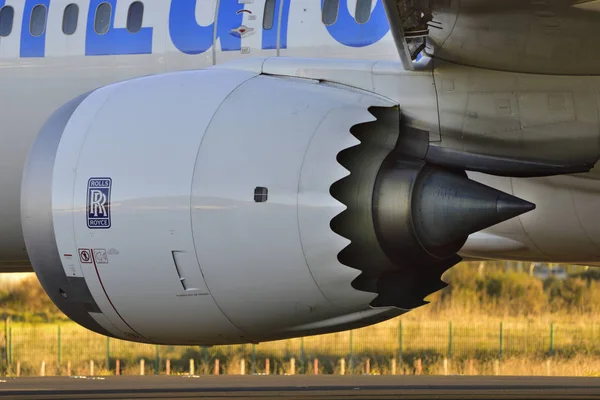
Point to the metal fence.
(395, 346)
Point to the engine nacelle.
(194, 207)
(223, 206)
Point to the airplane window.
(135, 16)
(269, 15)
(7, 14)
(362, 13)
(330, 11)
(37, 23)
(102, 21)
(70, 17)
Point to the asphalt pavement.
(300, 387)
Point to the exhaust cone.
(450, 207)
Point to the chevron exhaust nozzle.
(406, 219)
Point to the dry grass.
(522, 366)
(513, 366)
(523, 347)
(478, 306)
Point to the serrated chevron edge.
(362, 160)
(332, 137)
(391, 282)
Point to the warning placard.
(85, 256)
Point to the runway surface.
(299, 387)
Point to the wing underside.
(544, 36)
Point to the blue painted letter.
(350, 33)
(116, 41)
(33, 46)
(191, 38)
(269, 38)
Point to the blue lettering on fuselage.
(191, 38)
(32, 46)
(269, 38)
(116, 41)
(350, 33)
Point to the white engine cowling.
(195, 207)
(227, 206)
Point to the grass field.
(488, 321)
(521, 346)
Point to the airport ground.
(300, 387)
(480, 339)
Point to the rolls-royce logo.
(98, 203)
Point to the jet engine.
(225, 206)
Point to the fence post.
(293, 366)
(10, 343)
(91, 367)
(168, 367)
(242, 367)
(253, 359)
(108, 353)
(5, 354)
(191, 366)
(501, 352)
(302, 358)
(6, 340)
(450, 339)
(117, 367)
(342, 366)
(157, 362)
(400, 344)
(552, 338)
(351, 355)
(142, 367)
(217, 367)
(206, 358)
(59, 350)
(267, 366)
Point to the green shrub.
(474, 289)
(497, 292)
(27, 301)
